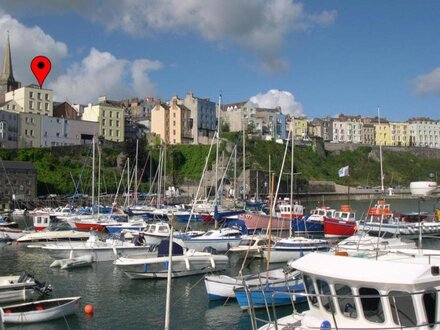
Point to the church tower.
(7, 81)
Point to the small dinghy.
(81, 261)
(40, 311)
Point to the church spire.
(7, 81)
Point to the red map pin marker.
(40, 67)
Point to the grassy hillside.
(59, 168)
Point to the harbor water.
(121, 303)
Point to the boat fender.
(39, 307)
(325, 325)
(187, 264)
(212, 262)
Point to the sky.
(314, 58)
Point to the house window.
(46, 97)
(117, 133)
(39, 95)
(31, 104)
(46, 106)
(117, 123)
(111, 114)
(103, 122)
(110, 132)
(31, 95)
(39, 105)
(103, 113)
(117, 114)
(103, 131)
(111, 122)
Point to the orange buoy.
(89, 309)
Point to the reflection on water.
(121, 303)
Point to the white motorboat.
(364, 244)
(252, 245)
(221, 240)
(422, 188)
(13, 234)
(102, 250)
(221, 287)
(21, 287)
(363, 293)
(291, 248)
(40, 311)
(184, 263)
(56, 235)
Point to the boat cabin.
(157, 228)
(286, 211)
(320, 212)
(359, 293)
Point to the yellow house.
(382, 134)
(300, 127)
(110, 120)
(400, 134)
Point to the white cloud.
(257, 26)
(274, 98)
(100, 73)
(428, 84)
(26, 43)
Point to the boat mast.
(380, 152)
(244, 165)
(93, 172)
(170, 264)
(136, 173)
(99, 174)
(269, 227)
(216, 152)
(291, 175)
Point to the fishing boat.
(343, 224)
(184, 263)
(362, 293)
(40, 311)
(21, 287)
(221, 287)
(314, 223)
(291, 248)
(221, 240)
(102, 250)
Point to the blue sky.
(317, 58)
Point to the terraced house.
(110, 119)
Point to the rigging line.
(192, 287)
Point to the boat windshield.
(249, 242)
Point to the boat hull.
(185, 265)
(99, 253)
(269, 296)
(307, 226)
(339, 228)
